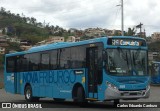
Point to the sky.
(82, 14)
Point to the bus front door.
(92, 61)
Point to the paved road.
(69, 106)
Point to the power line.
(117, 13)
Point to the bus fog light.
(143, 93)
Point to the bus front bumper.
(112, 94)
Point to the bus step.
(92, 99)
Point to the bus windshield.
(126, 62)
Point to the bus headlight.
(111, 86)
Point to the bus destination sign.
(127, 42)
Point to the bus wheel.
(58, 99)
(79, 95)
(116, 102)
(28, 94)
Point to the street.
(68, 105)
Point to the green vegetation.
(13, 46)
(26, 28)
(130, 32)
(23, 27)
(154, 46)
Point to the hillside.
(27, 28)
(22, 27)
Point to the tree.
(33, 21)
(3, 31)
(131, 32)
(116, 33)
(26, 27)
(3, 11)
(13, 46)
(28, 20)
(154, 46)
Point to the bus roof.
(69, 44)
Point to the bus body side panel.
(65, 80)
(17, 80)
(102, 87)
(38, 90)
(9, 82)
(39, 83)
(33, 79)
(55, 83)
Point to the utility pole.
(122, 25)
(122, 19)
(140, 27)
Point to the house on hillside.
(54, 39)
(71, 39)
(153, 55)
(72, 30)
(2, 50)
(25, 44)
(156, 36)
(3, 41)
(51, 39)
(94, 32)
(15, 40)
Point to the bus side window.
(65, 58)
(78, 57)
(34, 61)
(53, 59)
(44, 61)
(19, 64)
(10, 64)
(25, 63)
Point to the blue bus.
(155, 72)
(101, 69)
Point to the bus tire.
(79, 95)
(28, 94)
(116, 101)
